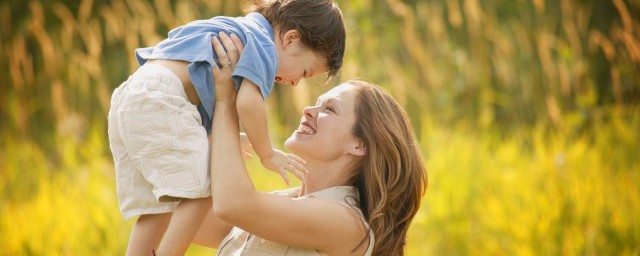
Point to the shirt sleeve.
(289, 192)
(258, 63)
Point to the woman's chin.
(289, 142)
(295, 143)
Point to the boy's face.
(297, 62)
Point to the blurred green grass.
(526, 111)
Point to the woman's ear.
(290, 37)
(358, 149)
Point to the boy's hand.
(282, 163)
(245, 146)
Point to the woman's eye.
(331, 109)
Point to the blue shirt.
(192, 43)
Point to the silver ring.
(226, 65)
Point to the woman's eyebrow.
(335, 100)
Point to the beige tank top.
(241, 243)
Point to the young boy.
(160, 117)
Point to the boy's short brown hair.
(319, 23)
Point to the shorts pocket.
(146, 130)
(179, 181)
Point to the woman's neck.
(323, 175)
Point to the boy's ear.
(290, 37)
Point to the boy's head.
(309, 36)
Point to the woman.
(363, 177)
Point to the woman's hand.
(228, 49)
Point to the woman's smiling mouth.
(306, 128)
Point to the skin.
(311, 223)
(147, 233)
(331, 147)
(296, 62)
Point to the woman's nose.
(309, 111)
(294, 83)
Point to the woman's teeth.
(306, 129)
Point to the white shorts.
(159, 145)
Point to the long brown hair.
(319, 23)
(391, 177)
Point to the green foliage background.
(527, 112)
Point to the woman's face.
(325, 131)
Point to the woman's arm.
(310, 223)
(212, 231)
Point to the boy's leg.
(185, 223)
(147, 233)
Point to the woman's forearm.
(230, 183)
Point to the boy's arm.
(252, 113)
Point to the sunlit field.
(527, 114)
